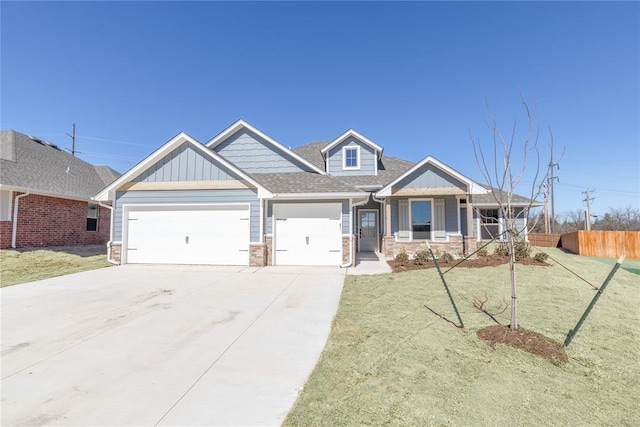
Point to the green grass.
(27, 265)
(390, 361)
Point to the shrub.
(522, 249)
(482, 252)
(501, 250)
(541, 257)
(421, 257)
(446, 257)
(402, 258)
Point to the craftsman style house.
(245, 199)
(46, 195)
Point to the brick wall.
(51, 221)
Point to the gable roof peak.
(353, 133)
(242, 124)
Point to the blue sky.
(414, 77)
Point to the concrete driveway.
(163, 345)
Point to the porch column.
(387, 217)
(470, 224)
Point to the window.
(92, 217)
(5, 205)
(351, 158)
(421, 219)
(489, 216)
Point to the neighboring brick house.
(45, 195)
(246, 199)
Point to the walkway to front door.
(368, 230)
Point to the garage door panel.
(188, 236)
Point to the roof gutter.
(111, 220)
(14, 231)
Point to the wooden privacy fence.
(544, 240)
(607, 244)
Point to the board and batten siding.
(253, 154)
(346, 216)
(367, 159)
(429, 176)
(163, 197)
(186, 163)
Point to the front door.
(368, 230)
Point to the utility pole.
(73, 140)
(545, 208)
(551, 180)
(587, 214)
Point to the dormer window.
(351, 158)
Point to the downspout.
(111, 219)
(14, 231)
(353, 205)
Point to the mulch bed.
(479, 262)
(530, 341)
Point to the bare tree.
(503, 168)
(619, 219)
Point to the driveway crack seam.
(227, 349)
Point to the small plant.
(483, 252)
(522, 249)
(501, 250)
(421, 257)
(446, 257)
(402, 258)
(540, 257)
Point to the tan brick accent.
(393, 247)
(257, 254)
(268, 252)
(116, 252)
(346, 250)
(470, 245)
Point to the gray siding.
(450, 213)
(368, 159)
(346, 216)
(371, 205)
(188, 197)
(185, 163)
(429, 176)
(253, 154)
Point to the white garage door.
(188, 235)
(308, 234)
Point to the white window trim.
(411, 217)
(344, 157)
(97, 217)
(9, 207)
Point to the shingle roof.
(311, 152)
(302, 182)
(489, 199)
(31, 164)
(389, 168)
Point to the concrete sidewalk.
(369, 263)
(164, 345)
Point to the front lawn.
(391, 361)
(29, 264)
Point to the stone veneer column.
(257, 254)
(116, 252)
(268, 242)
